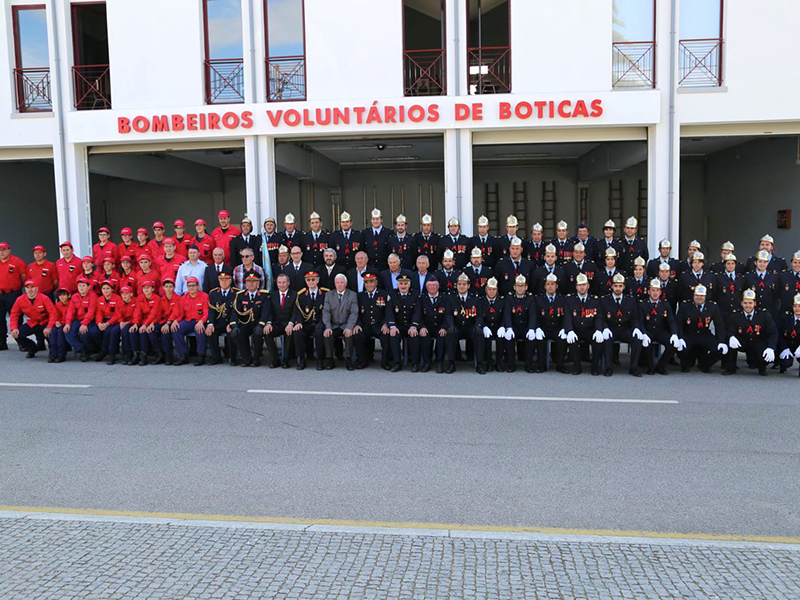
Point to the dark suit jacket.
(352, 277)
(429, 276)
(238, 244)
(280, 317)
(325, 280)
(211, 279)
(385, 278)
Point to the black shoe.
(215, 361)
(320, 365)
(134, 360)
(361, 365)
(275, 364)
(31, 354)
(301, 364)
(635, 372)
(561, 370)
(256, 362)
(481, 370)
(330, 365)
(414, 368)
(160, 359)
(451, 368)
(684, 369)
(200, 361)
(727, 372)
(661, 370)
(511, 369)
(541, 370)
(651, 371)
(101, 356)
(183, 360)
(142, 359)
(530, 369)
(82, 356)
(705, 369)
(51, 359)
(40, 346)
(397, 368)
(285, 364)
(245, 363)
(439, 367)
(596, 372)
(386, 367)
(762, 372)
(783, 369)
(349, 365)
(608, 372)
(61, 358)
(576, 371)
(112, 359)
(424, 368)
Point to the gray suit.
(338, 315)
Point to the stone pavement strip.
(49, 555)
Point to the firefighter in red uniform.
(107, 273)
(127, 276)
(204, 242)
(169, 264)
(145, 317)
(156, 245)
(190, 316)
(12, 276)
(224, 234)
(182, 241)
(169, 307)
(107, 321)
(146, 273)
(58, 341)
(43, 272)
(80, 316)
(127, 310)
(142, 239)
(87, 269)
(40, 317)
(68, 268)
(105, 247)
(127, 245)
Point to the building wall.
(29, 185)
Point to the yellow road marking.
(719, 537)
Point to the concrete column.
(466, 201)
(259, 155)
(72, 196)
(458, 179)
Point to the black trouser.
(752, 349)
(221, 329)
(433, 347)
(327, 342)
(6, 302)
(302, 337)
(26, 330)
(786, 363)
(623, 336)
(559, 348)
(585, 341)
(483, 346)
(466, 332)
(703, 348)
(412, 343)
(371, 332)
(660, 336)
(511, 350)
(272, 348)
(243, 335)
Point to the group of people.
(323, 295)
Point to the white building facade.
(680, 112)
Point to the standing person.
(402, 303)
(484, 242)
(433, 322)
(142, 240)
(104, 247)
(106, 273)
(215, 270)
(660, 328)
(511, 267)
(291, 236)
(168, 264)
(282, 266)
(58, 341)
(346, 241)
(245, 239)
(388, 277)
(156, 245)
(190, 316)
(68, 268)
(280, 314)
(270, 242)
(205, 243)
(447, 276)
(637, 285)
(664, 257)
(298, 268)
(729, 286)
(533, 249)
(726, 250)
(247, 267)
(107, 319)
(477, 272)
(633, 247)
(43, 273)
(550, 267)
(577, 266)
(251, 314)
(696, 275)
(329, 269)
(127, 275)
(371, 324)
(697, 341)
(490, 327)
(144, 330)
(669, 287)
(503, 243)
(80, 316)
(375, 241)
(621, 316)
(520, 323)
(127, 245)
(562, 243)
(307, 318)
(146, 272)
(789, 284)
(775, 264)
(765, 283)
(40, 318)
(456, 242)
(789, 332)
(587, 325)
(753, 332)
(428, 241)
(316, 240)
(608, 241)
(225, 233)
(12, 276)
(339, 317)
(87, 268)
(182, 241)
(193, 267)
(221, 319)
(686, 265)
(403, 244)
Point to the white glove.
(674, 341)
(786, 354)
(734, 343)
(539, 334)
(487, 333)
(509, 334)
(597, 336)
(607, 335)
(797, 353)
(501, 332)
(572, 337)
(645, 340)
(637, 334)
(769, 355)
(722, 348)
(531, 335)
(562, 334)
(681, 345)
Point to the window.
(700, 46)
(224, 64)
(32, 58)
(634, 44)
(489, 46)
(91, 71)
(286, 50)
(424, 55)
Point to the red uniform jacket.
(153, 276)
(45, 276)
(39, 311)
(128, 279)
(68, 273)
(82, 308)
(206, 247)
(147, 311)
(127, 311)
(156, 248)
(169, 267)
(223, 239)
(169, 306)
(101, 252)
(183, 245)
(61, 312)
(109, 310)
(100, 277)
(192, 309)
(12, 274)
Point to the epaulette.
(324, 289)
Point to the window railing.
(424, 73)
(633, 64)
(700, 63)
(286, 78)
(92, 87)
(489, 70)
(33, 90)
(224, 81)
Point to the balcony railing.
(700, 63)
(286, 78)
(489, 70)
(424, 73)
(224, 81)
(633, 64)
(92, 87)
(33, 90)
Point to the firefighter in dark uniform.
(686, 265)
(490, 327)
(400, 309)
(251, 312)
(719, 267)
(753, 332)
(520, 324)
(550, 267)
(775, 264)
(605, 274)
(553, 317)
(664, 251)
(533, 249)
(464, 307)
(428, 242)
(765, 283)
(306, 320)
(291, 236)
(221, 318)
(636, 285)
(477, 272)
(432, 322)
(632, 247)
(456, 242)
(403, 244)
(346, 241)
(669, 287)
(697, 341)
(577, 266)
(447, 276)
(602, 245)
(270, 240)
(696, 275)
(660, 327)
(789, 336)
(562, 243)
(484, 242)
(371, 325)
(503, 242)
(729, 286)
(512, 266)
(789, 284)
(316, 240)
(375, 241)
(586, 325)
(621, 315)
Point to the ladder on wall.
(520, 205)
(336, 208)
(642, 212)
(549, 209)
(493, 207)
(615, 202)
(583, 204)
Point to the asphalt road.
(724, 459)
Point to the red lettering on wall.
(416, 113)
(477, 111)
(433, 113)
(462, 112)
(580, 109)
(123, 125)
(213, 121)
(292, 118)
(230, 120)
(505, 110)
(191, 122)
(523, 110)
(247, 119)
(177, 123)
(597, 108)
(160, 124)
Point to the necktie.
(750, 318)
(219, 268)
(283, 297)
(313, 296)
(347, 235)
(253, 297)
(619, 301)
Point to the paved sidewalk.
(65, 556)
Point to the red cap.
(126, 257)
(179, 223)
(158, 224)
(369, 276)
(251, 276)
(142, 230)
(170, 240)
(144, 255)
(200, 222)
(82, 279)
(87, 258)
(126, 231)
(29, 282)
(110, 259)
(4, 246)
(192, 280)
(65, 244)
(62, 290)
(126, 289)
(311, 274)
(147, 282)
(168, 280)
(103, 230)
(108, 283)
(39, 247)
(223, 213)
